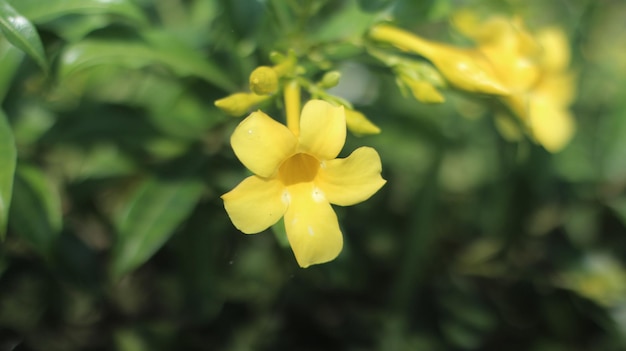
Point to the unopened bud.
(466, 69)
(424, 92)
(359, 124)
(263, 81)
(239, 103)
(330, 79)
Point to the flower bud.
(359, 124)
(276, 57)
(330, 79)
(466, 69)
(239, 103)
(423, 91)
(263, 81)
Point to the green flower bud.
(330, 80)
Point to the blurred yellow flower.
(533, 68)
(466, 69)
(359, 124)
(527, 72)
(299, 177)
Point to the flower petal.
(311, 225)
(551, 125)
(353, 179)
(556, 55)
(322, 129)
(255, 204)
(262, 144)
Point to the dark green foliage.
(113, 158)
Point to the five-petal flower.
(299, 177)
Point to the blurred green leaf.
(8, 156)
(612, 143)
(173, 108)
(460, 335)
(74, 28)
(22, 33)
(42, 11)
(347, 23)
(149, 218)
(30, 121)
(374, 5)
(157, 49)
(10, 58)
(619, 207)
(281, 233)
(36, 209)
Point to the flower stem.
(292, 106)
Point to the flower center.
(299, 168)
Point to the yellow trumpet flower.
(534, 68)
(466, 69)
(299, 177)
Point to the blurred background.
(114, 157)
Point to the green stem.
(292, 106)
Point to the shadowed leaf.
(149, 218)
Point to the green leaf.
(43, 11)
(173, 108)
(36, 209)
(149, 218)
(619, 207)
(10, 59)
(8, 156)
(347, 23)
(181, 59)
(21, 33)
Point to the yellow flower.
(534, 69)
(238, 104)
(299, 177)
(466, 69)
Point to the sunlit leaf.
(22, 33)
(36, 209)
(42, 11)
(149, 218)
(183, 60)
(7, 160)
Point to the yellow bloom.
(534, 68)
(299, 177)
(464, 68)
